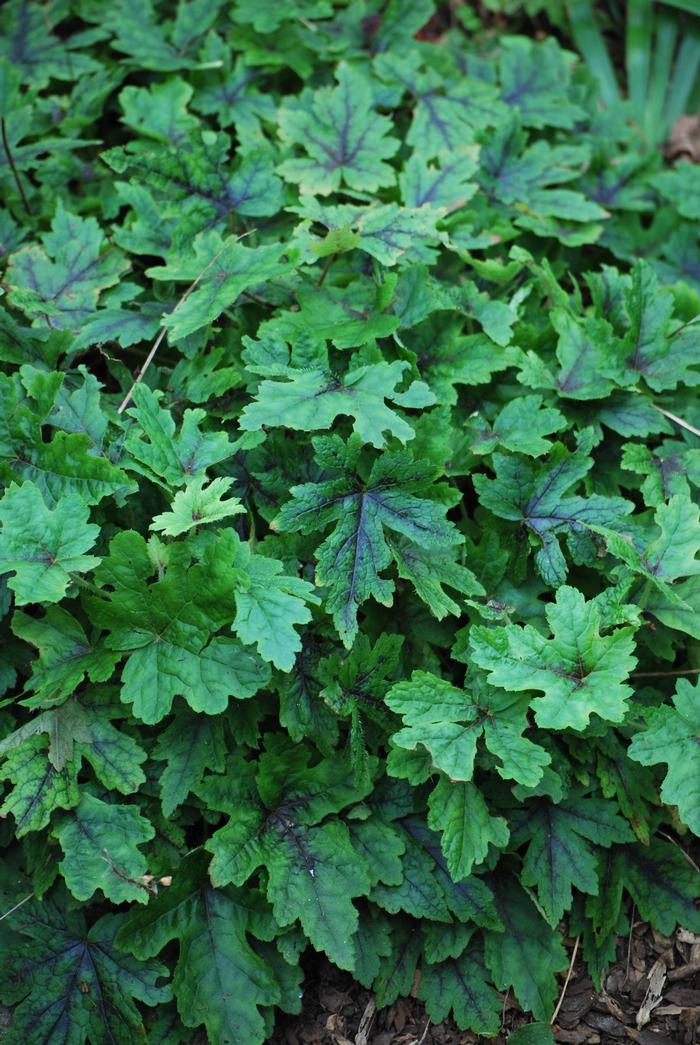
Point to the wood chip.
(683, 972)
(362, 1036)
(657, 981)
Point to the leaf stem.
(10, 160)
(151, 355)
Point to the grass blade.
(590, 42)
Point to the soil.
(656, 978)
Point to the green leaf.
(311, 400)
(38, 787)
(449, 721)
(219, 979)
(344, 140)
(527, 955)
(527, 176)
(162, 455)
(354, 554)
(662, 884)
(461, 986)
(672, 735)
(558, 855)
(682, 187)
(534, 496)
(165, 636)
(197, 505)
(58, 285)
(269, 603)
(223, 269)
(459, 812)
(428, 569)
(43, 546)
(314, 871)
(580, 671)
(522, 424)
(76, 982)
(100, 846)
(445, 186)
(66, 656)
(536, 81)
(669, 555)
(190, 745)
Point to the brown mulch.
(651, 996)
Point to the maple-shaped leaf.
(622, 780)
(236, 100)
(580, 671)
(312, 399)
(672, 735)
(45, 754)
(164, 455)
(448, 722)
(37, 52)
(587, 366)
(528, 954)
(559, 854)
(159, 111)
(355, 553)
(448, 109)
(536, 81)
(460, 985)
(654, 346)
(354, 685)
(269, 19)
(190, 745)
(459, 812)
(681, 186)
(430, 571)
(223, 269)
(659, 879)
(269, 603)
(197, 505)
(71, 983)
(445, 186)
(346, 316)
(521, 426)
(395, 964)
(669, 469)
(528, 176)
(41, 545)
(193, 185)
(125, 326)
(164, 46)
(169, 648)
(219, 979)
(100, 845)
(428, 889)
(65, 654)
(670, 554)
(345, 140)
(313, 870)
(38, 788)
(535, 495)
(389, 233)
(58, 285)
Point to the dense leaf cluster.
(353, 625)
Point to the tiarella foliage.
(352, 626)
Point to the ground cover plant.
(349, 528)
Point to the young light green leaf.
(197, 505)
(580, 671)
